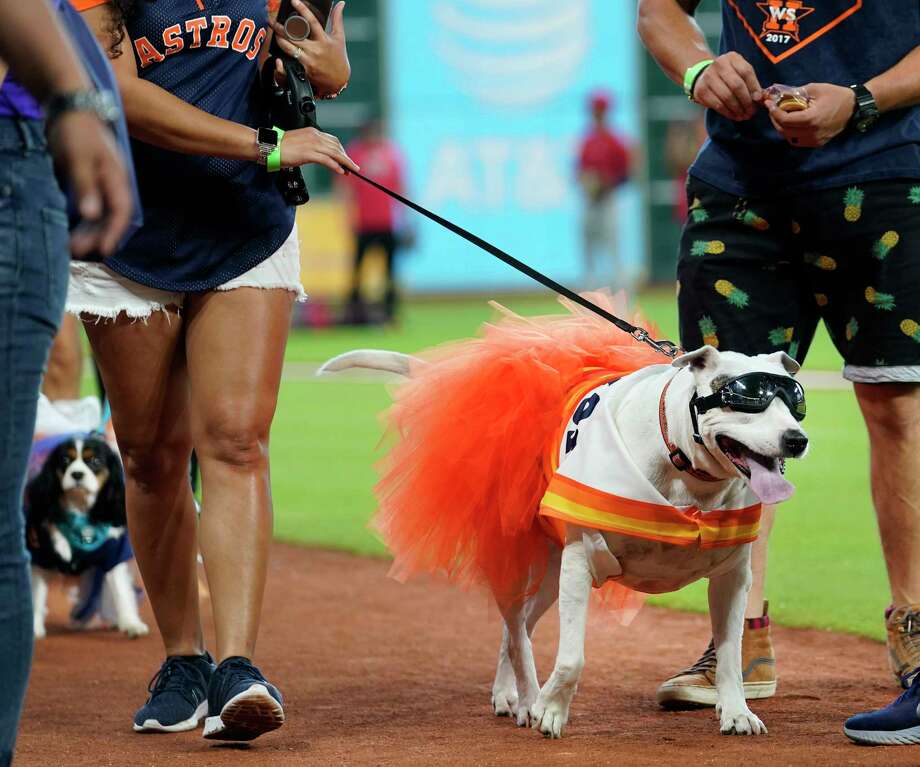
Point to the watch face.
(267, 136)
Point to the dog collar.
(678, 457)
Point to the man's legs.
(757, 594)
(741, 288)
(892, 415)
(356, 311)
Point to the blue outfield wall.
(487, 99)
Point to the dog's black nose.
(794, 443)
(77, 475)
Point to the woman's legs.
(65, 363)
(235, 350)
(143, 368)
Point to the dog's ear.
(110, 503)
(43, 493)
(789, 365)
(704, 358)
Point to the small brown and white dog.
(76, 526)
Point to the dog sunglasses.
(753, 393)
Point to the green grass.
(429, 322)
(825, 569)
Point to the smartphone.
(297, 27)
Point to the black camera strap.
(668, 348)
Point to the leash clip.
(667, 348)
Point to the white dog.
(709, 433)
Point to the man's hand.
(827, 115)
(84, 149)
(729, 86)
(324, 56)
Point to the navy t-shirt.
(206, 220)
(794, 42)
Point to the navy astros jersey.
(794, 42)
(206, 220)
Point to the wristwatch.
(267, 140)
(100, 103)
(865, 113)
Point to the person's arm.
(899, 87)
(831, 106)
(728, 85)
(157, 117)
(37, 50)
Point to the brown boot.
(696, 686)
(903, 626)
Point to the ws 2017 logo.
(781, 28)
(782, 22)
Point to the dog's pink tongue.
(770, 486)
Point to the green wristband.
(273, 161)
(693, 74)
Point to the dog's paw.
(62, 548)
(504, 701)
(549, 715)
(134, 629)
(740, 721)
(524, 715)
(38, 629)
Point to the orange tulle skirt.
(461, 485)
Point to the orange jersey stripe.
(574, 502)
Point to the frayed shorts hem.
(96, 291)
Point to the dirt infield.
(378, 673)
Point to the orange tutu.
(461, 487)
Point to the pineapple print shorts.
(755, 275)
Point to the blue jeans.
(33, 285)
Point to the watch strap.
(866, 111)
(693, 74)
(264, 145)
(273, 161)
(100, 103)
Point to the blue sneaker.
(242, 703)
(896, 724)
(178, 695)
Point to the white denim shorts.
(94, 289)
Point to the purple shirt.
(15, 100)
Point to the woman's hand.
(829, 111)
(308, 145)
(84, 150)
(323, 56)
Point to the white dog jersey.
(595, 482)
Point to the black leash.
(668, 348)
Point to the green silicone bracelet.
(273, 161)
(693, 74)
